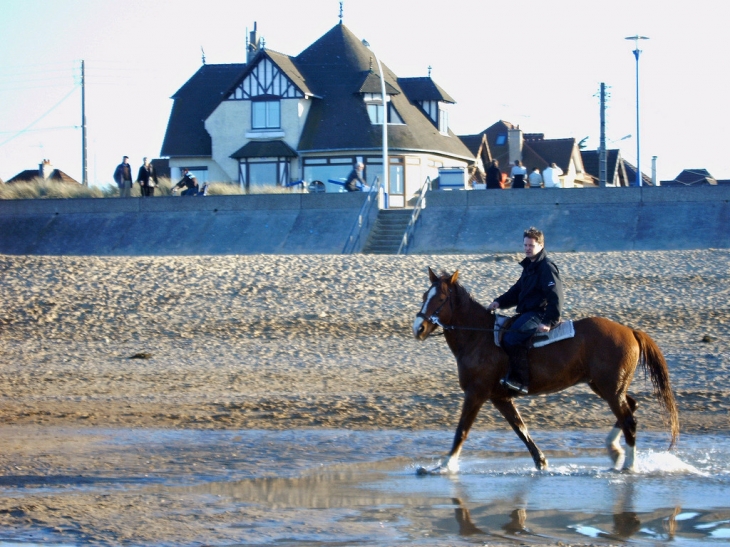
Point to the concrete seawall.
(267, 223)
(609, 219)
(453, 222)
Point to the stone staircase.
(387, 233)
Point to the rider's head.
(534, 241)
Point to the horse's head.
(437, 304)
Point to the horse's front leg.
(507, 408)
(469, 411)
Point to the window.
(443, 121)
(265, 114)
(375, 111)
(501, 139)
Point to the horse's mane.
(463, 299)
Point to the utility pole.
(84, 160)
(602, 146)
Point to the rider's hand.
(493, 306)
(543, 328)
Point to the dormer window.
(265, 113)
(374, 105)
(436, 110)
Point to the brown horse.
(603, 354)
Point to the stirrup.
(514, 386)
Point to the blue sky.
(535, 63)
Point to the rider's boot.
(518, 375)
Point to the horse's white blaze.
(417, 325)
(419, 320)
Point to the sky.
(534, 63)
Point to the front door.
(396, 183)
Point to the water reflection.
(358, 487)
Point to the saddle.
(561, 331)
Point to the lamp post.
(637, 53)
(386, 167)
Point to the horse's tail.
(651, 359)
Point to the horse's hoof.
(438, 470)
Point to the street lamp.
(385, 118)
(637, 52)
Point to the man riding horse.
(538, 295)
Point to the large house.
(279, 119)
(506, 143)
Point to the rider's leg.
(516, 344)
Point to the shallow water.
(344, 487)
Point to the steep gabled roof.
(337, 65)
(424, 89)
(631, 175)
(285, 64)
(559, 151)
(614, 165)
(193, 103)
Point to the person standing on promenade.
(147, 178)
(538, 295)
(123, 178)
(494, 176)
(518, 175)
(535, 178)
(551, 176)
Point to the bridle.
(434, 318)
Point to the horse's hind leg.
(507, 408)
(623, 407)
(613, 440)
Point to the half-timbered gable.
(268, 80)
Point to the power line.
(42, 116)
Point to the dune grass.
(40, 189)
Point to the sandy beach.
(313, 342)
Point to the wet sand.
(292, 342)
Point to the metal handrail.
(363, 218)
(408, 235)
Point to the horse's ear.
(454, 277)
(432, 276)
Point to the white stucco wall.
(230, 128)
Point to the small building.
(45, 171)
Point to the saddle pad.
(563, 330)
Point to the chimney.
(45, 169)
(515, 140)
(252, 47)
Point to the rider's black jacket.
(538, 289)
